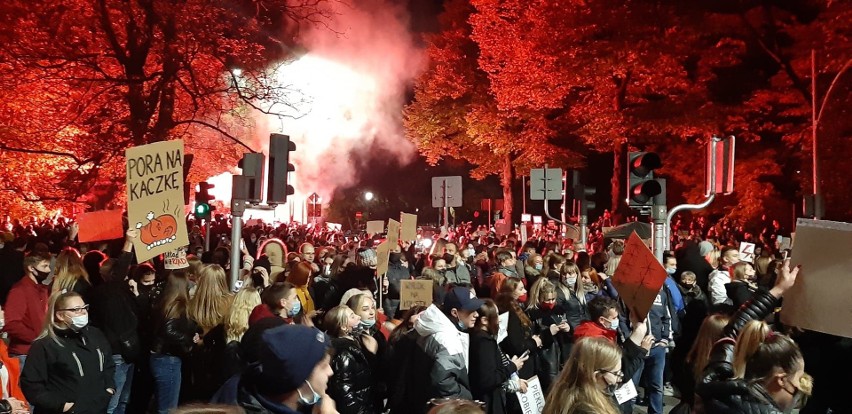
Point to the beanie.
(288, 355)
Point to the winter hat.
(288, 355)
(705, 247)
(366, 257)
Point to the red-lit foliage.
(82, 80)
(606, 75)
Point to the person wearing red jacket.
(26, 306)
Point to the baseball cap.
(461, 298)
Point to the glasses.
(78, 309)
(618, 375)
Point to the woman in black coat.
(550, 323)
(490, 369)
(69, 368)
(352, 386)
(521, 338)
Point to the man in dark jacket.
(397, 271)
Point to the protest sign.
(415, 293)
(175, 259)
(532, 401)
(393, 232)
(639, 277)
(503, 329)
(375, 227)
(409, 227)
(747, 252)
(819, 300)
(99, 225)
(155, 198)
(382, 258)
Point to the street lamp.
(368, 196)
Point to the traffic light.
(641, 185)
(584, 195)
(252, 166)
(203, 198)
(280, 147)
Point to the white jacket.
(718, 293)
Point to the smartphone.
(525, 354)
(784, 254)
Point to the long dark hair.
(404, 324)
(489, 311)
(506, 302)
(173, 303)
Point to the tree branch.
(215, 128)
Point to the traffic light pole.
(658, 214)
(238, 208)
(207, 234)
(445, 208)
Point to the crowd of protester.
(309, 327)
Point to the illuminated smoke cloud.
(355, 76)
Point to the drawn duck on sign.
(159, 231)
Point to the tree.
(82, 80)
(454, 113)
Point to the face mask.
(368, 323)
(297, 306)
(40, 276)
(612, 324)
(610, 389)
(547, 305)
(688, 286)
(462, 326)
(79, 322)
(315, 398)
(539, 266)
(471, 252)
(571, 280)
(523, 298)
(671, 270)
(395, 257)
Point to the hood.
(592, 329)
(433, 321)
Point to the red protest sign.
(639, 277)
(100, 225)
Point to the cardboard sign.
(524, 235)
(393, 232)
(100, 225)
(626, 392)
(819, 300)
(382, 258)
(532, 401)
(747, 252)
(639, 277)
(175, 259)
(155, 198)
(409, 227)
(375, 226)
(414, 293)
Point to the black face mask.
(395, 257)
(144, 289)
(40, 276)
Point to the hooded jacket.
(77, 367)
(448, 350)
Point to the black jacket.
(550, 356)
(518, 341)
(488, 372)
(174, 337)
(718, 392)
(405, 381)
(739, 292)
(80, 370)
(113, 311)
(351, 385)
(576, 312)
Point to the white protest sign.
(503, 330)
(375, 226)
(819, 300)
(175, 259)
(626, 392)
(415, 293)
(532, 401)
(747, 252)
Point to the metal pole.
(446, 219)
(207, 234)
(584, 233)
(489, 214)
(814, 122)
(524, 192)
(711, 195)
(660, 234)
(238, 207)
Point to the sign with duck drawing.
(155, 198)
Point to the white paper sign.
(175, 259)
(747, 252)
(626, 393)
(532, 401)
(503, 332)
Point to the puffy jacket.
(447, 349)
(351, 386)
(174, 337)
(718, 392)
(80, 371)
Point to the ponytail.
(759, 351)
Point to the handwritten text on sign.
(414, 293)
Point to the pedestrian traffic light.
(641, 185)
(203, 198)
(584, 194)
(278, 189)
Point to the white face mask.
(79, 322)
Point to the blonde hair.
(576, 390)
(612, 264)
(212, 300)
(750, 338)
(335, 320)
(578, 284)
(57, 300)
(711, 331)
(69, 269)
(540, 288)
(236, 323)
